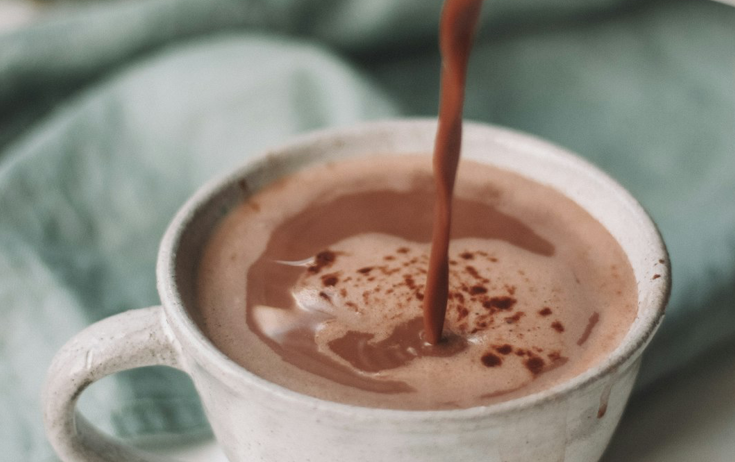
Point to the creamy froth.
(316, 283)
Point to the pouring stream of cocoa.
(456, 34)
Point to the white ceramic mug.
(255, 420)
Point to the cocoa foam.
(316, 283)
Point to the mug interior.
(593, 190)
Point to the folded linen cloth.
(112, 115)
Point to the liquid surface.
(316, 283)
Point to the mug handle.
(135, 338)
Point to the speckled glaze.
(255, 420)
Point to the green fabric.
(112, 115)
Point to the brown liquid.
(459, 20)
(320, 283)
(316, 284)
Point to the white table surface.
(688, 418)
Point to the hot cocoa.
(317, 283)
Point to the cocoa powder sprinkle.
(323, 259)
(491, 360)
(515, 318)
(504, 349)
(329, 280)
(501, 303)
(534, 364)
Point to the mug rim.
(649, 317)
